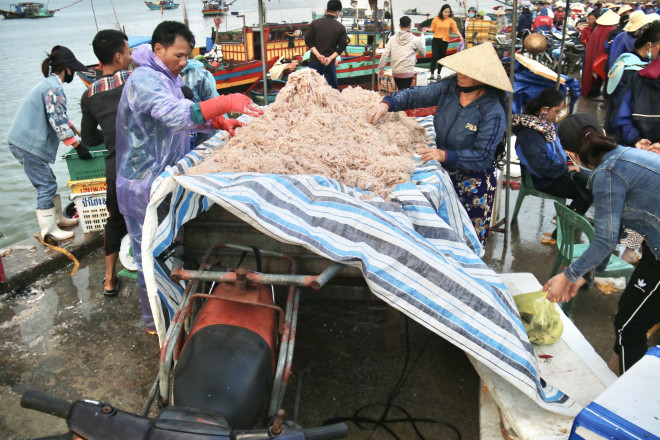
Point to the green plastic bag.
(540, 318)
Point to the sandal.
(113, 292)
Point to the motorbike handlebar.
(48, 404)
(52, 405)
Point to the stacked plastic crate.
(88, 187)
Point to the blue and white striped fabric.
(418, 254)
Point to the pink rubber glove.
(228, 125)
(234, 103)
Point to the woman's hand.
(573, 169)
(434, 154)
(377, 112)
(643, 144)
(561, 289)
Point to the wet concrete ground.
(63, 337)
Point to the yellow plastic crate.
(87, 186)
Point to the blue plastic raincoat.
(153, 126)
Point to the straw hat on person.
(480, 63)
(636, 20)
(623, 9)
(501, 12)
(609, 18)
(535, 43)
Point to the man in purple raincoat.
(153, 125)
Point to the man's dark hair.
(405, 21)
(333, 6)
(166, 33)
(107, 43)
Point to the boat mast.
(374, 32)
(263, 48)
(94, 12)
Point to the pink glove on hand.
(234, 103)
(228, 125)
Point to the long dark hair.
(593, 146)
(649, 34)
(442, 9)
(547, 98)
(47, 68)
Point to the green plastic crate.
(93, 168)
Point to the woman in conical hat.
(469, 124)
(591, 82)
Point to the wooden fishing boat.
(237, 77)
(241, 52)
(28, 10)
(214, 7)
(415, 11)
(162, 4)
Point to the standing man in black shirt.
(326, 39)
(99, 108)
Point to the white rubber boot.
(48, 225)
(59, 217)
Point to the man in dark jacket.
(99, 108)
(326, 39)
(524, 22)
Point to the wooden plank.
(572, 366)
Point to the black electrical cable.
(383, 421)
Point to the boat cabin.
(282, 40)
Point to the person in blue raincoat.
(202, 85)
(153, 124)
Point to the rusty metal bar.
(292, 342)
(325, 276)
(288, 338)
(172, 336)
(314, 281)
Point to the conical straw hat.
(481, 63)
(610, 18)
(637, 20)
(623, 9)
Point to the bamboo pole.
(563, 44)
(509, 118)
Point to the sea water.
(24, 44)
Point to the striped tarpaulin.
(419, 254)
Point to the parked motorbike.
(229, 365)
